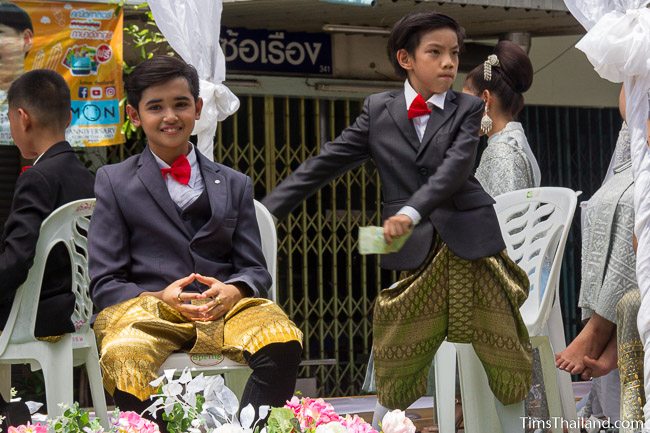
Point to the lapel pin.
(217, 181)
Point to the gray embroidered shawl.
(508, 164)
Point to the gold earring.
(486, 122)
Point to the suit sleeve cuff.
(244, 287)
(412, 213)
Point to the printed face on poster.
(80, 41)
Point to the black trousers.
(275, 368)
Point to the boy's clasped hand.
(209, 305)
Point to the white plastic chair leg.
(445, 374)
(236, 380)
(549, 375)
(558, 343)
(511, 417)
(57, 372)
(479, 412)
(96, 384)
(5, 381)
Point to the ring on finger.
(217, 300)
(179, 296)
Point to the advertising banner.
(82, 42)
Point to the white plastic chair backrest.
(269, 243)
(535, 224)
(68, 225)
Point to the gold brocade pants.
(464, 301)
(630, 359)
(136, 336)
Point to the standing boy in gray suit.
(423, 141)
(171, 228)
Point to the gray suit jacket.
(434, 176)
(138, 242)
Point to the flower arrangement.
(205, 405)
(308, 415)
(29, 428)
(76, 420)
(201, 404)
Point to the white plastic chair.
(535, 224)
(68, 225)
(235, 374)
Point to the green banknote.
(371, 241)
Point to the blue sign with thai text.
(277, 51)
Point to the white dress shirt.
(420, 124)
(184, 195)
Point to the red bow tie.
(180, 170)
(25, 168)
(418, 108)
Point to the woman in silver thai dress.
(609, 295)
(508, 163)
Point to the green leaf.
(282, 420)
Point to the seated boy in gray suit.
(171, 228)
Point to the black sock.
(273, 380)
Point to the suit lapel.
(437, 119)
(398, 111)
(217, 190)
(149, 174)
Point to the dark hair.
(510, 79)
(159, 70)
(15, 17)
(408, 31)
(45, 94)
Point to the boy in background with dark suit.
(39, 113)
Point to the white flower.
(396, 421)
(229, 428)
(331, 427)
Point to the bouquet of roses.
(308, 415)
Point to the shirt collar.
(37, 159)
(438, 99)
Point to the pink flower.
(312, 412)
(131, 422)
(355, 424)
(29, 428)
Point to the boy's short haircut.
(15, 17)
(159, 70)
(408, 31)
(45, 94)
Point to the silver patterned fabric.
(608, 260)
(5, 133)
(508, 164)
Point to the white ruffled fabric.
(618, 45)
(192, 29)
